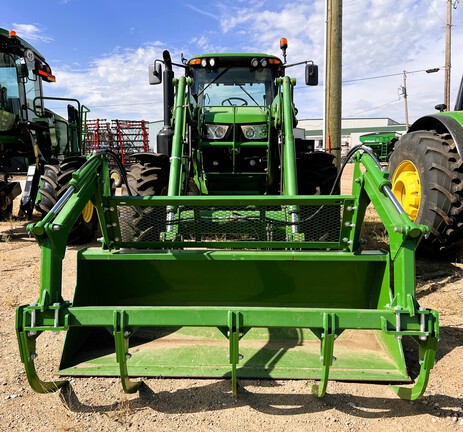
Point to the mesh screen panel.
(318, 223)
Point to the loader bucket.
(195, 295)
(236, 287)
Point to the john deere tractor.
(427, 176)
(230, 252)
(228, 131)
(34, 139)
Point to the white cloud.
(380, 37)
(115, 86)
(31, 32)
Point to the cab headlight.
(216, 132)
(255, 132)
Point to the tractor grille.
(234, 226)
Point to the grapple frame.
(245, 266)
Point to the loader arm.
(289, 152)
(179, 118)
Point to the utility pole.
(448, 54)
(333, 79)
(405, 95)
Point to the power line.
(435, 12)
(374, 108)
(389, 75)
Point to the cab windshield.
(12, 92)
(228, 86)
(9, 88)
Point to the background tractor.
(427, 176)
(34, 139)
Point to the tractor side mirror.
(311, 74)
(21, 68)
(155, 73)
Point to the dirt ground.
(99, 404)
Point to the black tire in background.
(316, 173)
(53, 185)
(426, 178)
(5, 213)
(147, 179)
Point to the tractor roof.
(18, 46)
(235, 58)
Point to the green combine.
(231, 252)
(382, 144)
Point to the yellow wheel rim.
(116, 177)
(87, 212)
(406, 187)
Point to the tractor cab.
(231, 97)
(31, 135)
(22, 71)
(234, 79)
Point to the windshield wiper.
(242, 88)
(213, 81)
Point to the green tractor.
(427, 176)
(227, 134)
(230, 252)
(34, 139)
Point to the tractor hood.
(237, 115)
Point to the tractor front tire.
(316, 173)
(53, 185)
(147, 179)
(426, 179)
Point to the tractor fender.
(442, 123)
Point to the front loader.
(231, 253)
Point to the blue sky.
(100, 50)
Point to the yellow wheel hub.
(87, 212)
(406, 186)
(116, 177)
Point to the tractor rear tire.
(53, 185)
(147, 179)
(426, 179)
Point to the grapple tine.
(427, 363)
(121, 339)
(326, 354)
(27, 349)
(233, 337)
